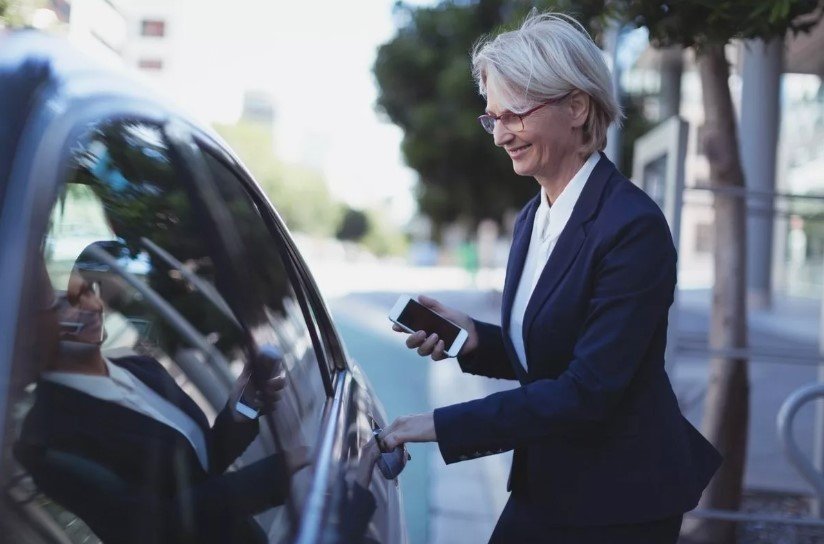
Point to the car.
(197, 270)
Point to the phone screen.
(418, 317)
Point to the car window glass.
(126, 238)
(280, 303)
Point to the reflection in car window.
(277, 292)
(128, 427)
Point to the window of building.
(150, 64)
(153, 28)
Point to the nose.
(501, 135)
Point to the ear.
(578, 105)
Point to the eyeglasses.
(514, 122)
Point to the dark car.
(197, 272)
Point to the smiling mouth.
(518, 150)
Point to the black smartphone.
(413, 316)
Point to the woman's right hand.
(434, 346)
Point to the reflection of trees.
(128, 167)
(266, 277)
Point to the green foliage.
(704, 22)
(383, 238)
(426, 88)
(298, 193)
(18, 13)
(353, 226)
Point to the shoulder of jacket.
(625, 203)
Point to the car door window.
(286, 317)
(128, 227)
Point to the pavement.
(460, 503)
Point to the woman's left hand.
(265, 397)
(414, 428)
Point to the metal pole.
(672, 67)
(760, 121)
(818, 428)
(611, 42)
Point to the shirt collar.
(110, 388)
(565, 203)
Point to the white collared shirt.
(123, 388)
(547, 227)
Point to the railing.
(784, 421)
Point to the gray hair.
(550, 55)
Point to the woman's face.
(550, 135)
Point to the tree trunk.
(726, 406)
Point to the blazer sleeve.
(489, 358)
(119, 512)
(229, 439)
(632, 290)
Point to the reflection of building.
(773, 88)
(154, 33)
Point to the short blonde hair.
(550, 55)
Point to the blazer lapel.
(569, 243)
(515, 264)
(514, 268)
(165, 386)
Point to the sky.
(315, 59)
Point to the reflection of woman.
(602, 452)
(118, 443)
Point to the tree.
(300, 194)
(709, 26)
(426, 88)
(354, 225)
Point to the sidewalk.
(784, 341)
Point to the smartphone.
(247, 404)
(412, 316)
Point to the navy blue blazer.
(597, 432)
(135, 480)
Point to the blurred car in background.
(202, 271)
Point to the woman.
(602, 452)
